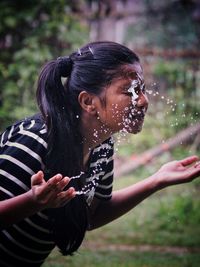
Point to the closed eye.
(128, 93)
(143, 89)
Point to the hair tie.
(65, 66)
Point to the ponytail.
(64, 152)
(60, 118)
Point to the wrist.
(156, 182)
(36, 205)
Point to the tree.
(32, 32)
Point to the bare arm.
(42, 195)
(124, 200)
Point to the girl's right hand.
(50, 194)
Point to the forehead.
(128, 73)
(131, 71)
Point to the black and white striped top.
(23, 148)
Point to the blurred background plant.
(32, 32)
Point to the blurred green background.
(164, 229)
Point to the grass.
(123, 259)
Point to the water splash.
(131, 90)
(138, 83)
(77, 176)
(89, 188)
(95, 133)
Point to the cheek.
(121, 115)
(117, 111)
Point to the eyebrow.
(127, 83)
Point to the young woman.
(71, 141)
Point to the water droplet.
(149, 92)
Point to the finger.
(60, 185)
(68, 194)
(63, 183)
(194, 171)
(189, 160)
(197, 164)
(65, 196)
(37, 178)
(52, 182)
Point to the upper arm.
(93, 210)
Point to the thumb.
(37, 178)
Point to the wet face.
(125, 102)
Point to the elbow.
(93, 223)
(90, 226)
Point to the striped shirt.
(23, 147)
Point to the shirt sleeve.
(105, 186)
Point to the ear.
(87, 102)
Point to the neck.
(94, 133)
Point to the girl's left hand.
(178, 171)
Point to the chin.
(136, 129)
(132, 130)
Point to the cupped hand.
(50, 194)
(179, 171)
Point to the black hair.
(91, 68)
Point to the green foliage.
(31, 33)
(181, 78)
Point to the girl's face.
(125, 102)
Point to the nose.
(143, 101)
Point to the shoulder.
(34, 124)
(102, 155)
(106, 146)
(31, 128)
